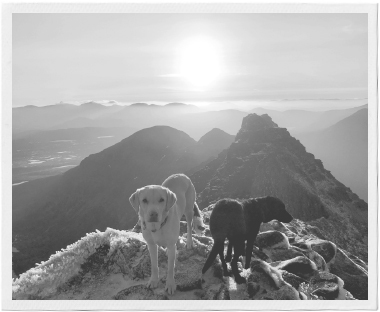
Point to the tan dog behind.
(160, 209)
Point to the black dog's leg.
(218, 244)
(229, 252)
(248, 253)
(238, 251)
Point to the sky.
(189, 58)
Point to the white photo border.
(100, 305)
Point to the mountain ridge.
(267, 160)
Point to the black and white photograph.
(190, 153)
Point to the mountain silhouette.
(48, 214)
(267, 160)
(343, 148)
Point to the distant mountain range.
(302, 121)
(178, 115)
(50, 213)
(337, 152)
(343, 148)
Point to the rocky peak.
(253, 123)
(266, 160)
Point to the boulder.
(325, 286)
(292, 279)
(325, 248)
(264, 279)
(282, 254)
(271, 240)
(355, 277)
(300, 266)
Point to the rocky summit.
(115, 265)
(266, 160)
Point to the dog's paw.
(170, 286)
(153, 283)
(239, 279)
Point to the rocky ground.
(289, 263)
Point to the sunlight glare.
(200, 61)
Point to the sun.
(200, 61)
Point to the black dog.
(240, 222)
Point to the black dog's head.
(273, 208)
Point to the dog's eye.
(145, 201)
(161, 200)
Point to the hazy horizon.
(209, 60)
(279, 105)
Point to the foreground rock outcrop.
(116, 265)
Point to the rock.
(325, 248)
(274, 225)
(188, 280)
(182, 227)
(317, 259)
(253, 123)
(271, 240)
(265, 279)
(354, 276)
(325, 286)
(139, 292)
(258, 254)
(223, 293)
(204, 239)
(283, 254)
(300, 266)
(284, 293)
(292, 279)
(216, 292)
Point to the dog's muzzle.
(153, 216)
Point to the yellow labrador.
(160, 209)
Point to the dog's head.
(273, 208)
(153, 203)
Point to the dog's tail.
(198, 225)
(218, 245)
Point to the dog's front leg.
(170, 282)
(153, 251)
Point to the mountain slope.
(48, 214)
(214, 141)
(266, 160)
(344, 150)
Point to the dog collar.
(162, 224)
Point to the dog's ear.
(135, 201)
(171, 199)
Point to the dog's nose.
(153, 216)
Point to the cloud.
(170, 76)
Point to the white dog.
(160, 209)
